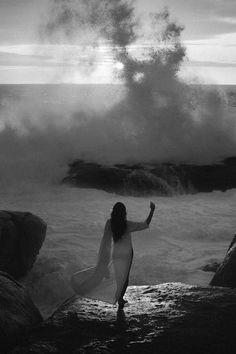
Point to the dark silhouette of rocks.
(18, 314)
(220, 176)
(160, 179)
(122, 179)
(211, 266)
(169, 318)
(226, 272)
(21, 237)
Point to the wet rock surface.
(226, 272)
(148, 179)
(211, 266)
(18, 314)
(167, 318)
(21, 237)
(135, 180)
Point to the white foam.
(187, 232)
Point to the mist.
(150, 115)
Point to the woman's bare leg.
(121, 301)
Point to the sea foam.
(186, 233)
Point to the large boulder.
(168, 318)
(226, 272)
(21, 237)
(18, 314)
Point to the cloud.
(205, 8)
(56, 64)
(220, 49)
(223, 39)
(229, 20)
(200, 18)
(10, 59)
(201, 73)
(210, 64)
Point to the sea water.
(187, 232)
(43, 128)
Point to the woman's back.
(123, 247)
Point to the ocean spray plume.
(153, 117)
(70, 20)
(91, 25)
(168, 119)
(159, 113)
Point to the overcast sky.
(209, 35)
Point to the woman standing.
(108, 281)
(122, 254)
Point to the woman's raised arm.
(152, 208)
(139, 226)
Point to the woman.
(108, 281)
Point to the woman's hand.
(149, 218)
(152, 206)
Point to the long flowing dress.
(107, 281)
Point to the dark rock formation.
(168, 318)
(18, 314)
(123, 179)
(21, 237)
(226, 272)
(160, 179)
(212, 266)
(220, 176)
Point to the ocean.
(43, 128)
(187, 232)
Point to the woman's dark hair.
(118, 221)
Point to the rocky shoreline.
(148, 179)
(167, 318)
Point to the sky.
(209, 37)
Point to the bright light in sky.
(209, 37)
(119, 65)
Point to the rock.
(226, 272)
(149, 179)
(18, 314)
(207, 178)
(21, 237)
(167, 319)
(138, 180)
(212, 266)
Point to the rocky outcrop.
(167, 319)
(18, 314)
(207, 178)
(21, 237)
(211, 266)
(135, 180)
(160, 179)
(226, 272)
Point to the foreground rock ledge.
(18, 314)
(167, 318)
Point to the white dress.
(108, 278)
